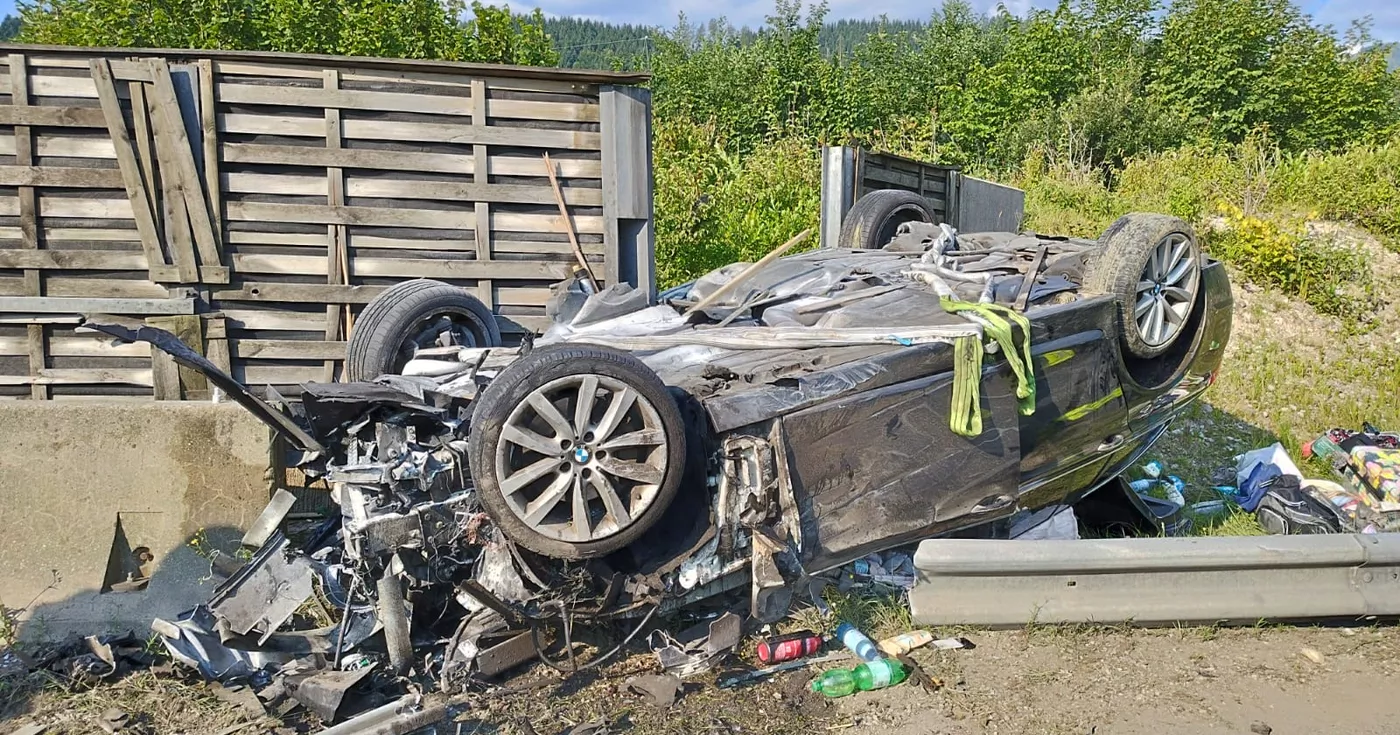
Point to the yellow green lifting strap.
(999, 323)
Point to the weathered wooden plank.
(113, 288)
(346, 158)
(82, 178)
(277, 374)
(289, 349)
(356, 186)
(533, 110)
(304, 293)
(61, 305)
(48, 85)
(208, 120)
(165, 375)
(343, 99)
(108, 260)
(590, 249)
(82, 376)
(85, 234)
(395, 243)
(521, 295)
(61, 117)
(329, 215)
(74, 147)
(299, 239)
(311, 127)
(270, 320)
(337, 249)
(514, 222)
(27, 202)
(197, 204)
(190, 383)
(74, 347)
(401, 267)
(216, 343)
(481, 178)
(145, 152)
(402, 160)
(179, 240)
(85, 208)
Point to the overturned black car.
(756, 427)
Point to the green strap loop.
(1000, 323)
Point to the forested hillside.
(1242, 109)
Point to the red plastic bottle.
(788, 647)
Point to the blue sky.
(750, 12)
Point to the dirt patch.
(1071, 680)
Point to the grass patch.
(1237, 522)
(877, 614)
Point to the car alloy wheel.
(1166, 290)
(581, 457)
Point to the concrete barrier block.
(91, 492)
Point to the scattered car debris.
(757, 674)
(658, 690)
(697, 648)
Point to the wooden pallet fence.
(257, 201)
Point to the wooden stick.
(748, 272)
(568, 223)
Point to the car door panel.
(883, 467)
(1080, 413)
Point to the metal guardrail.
(1156, 581)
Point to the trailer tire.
(875, 217)
(415, 314)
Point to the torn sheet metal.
(193, 641)
(265, 592)
(270, 519)
(324, 692)
(697, 648)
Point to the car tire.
(875, 217)
(1151, 265)
(410, 314)
(536, 493)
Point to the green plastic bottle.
(876, 674)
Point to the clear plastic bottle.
(876, 674)
(851, 637)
